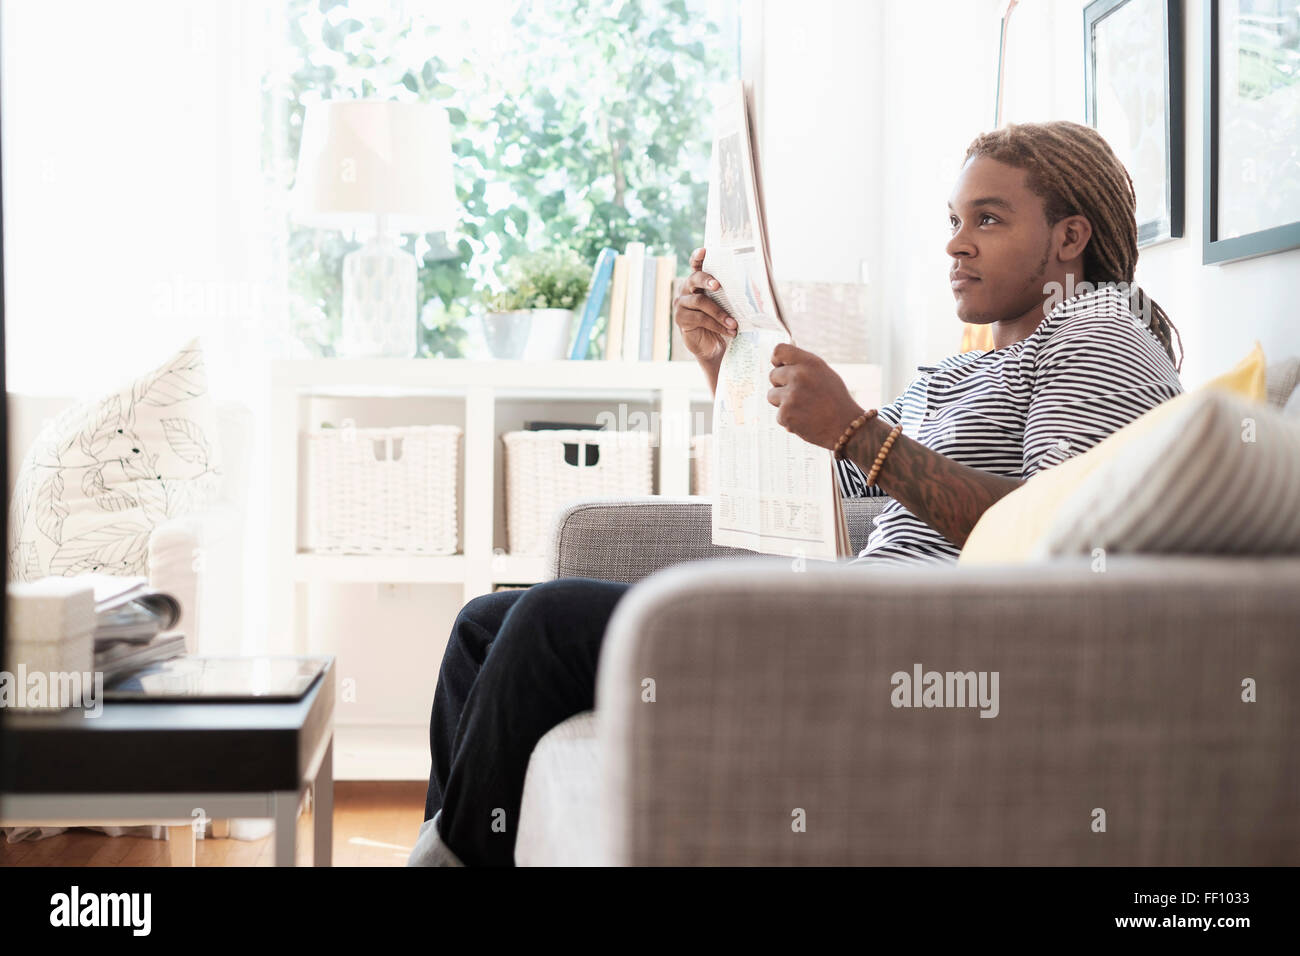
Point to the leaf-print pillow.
(103, 474)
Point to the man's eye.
(985, 215)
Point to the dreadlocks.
(1075, 172)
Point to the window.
(584, 123)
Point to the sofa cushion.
(1155, 484)
(103, 474)
(1220, 476)
(558, 818)
(1283, 378)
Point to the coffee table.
(179, 764)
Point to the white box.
(51, 628)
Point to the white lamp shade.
(360, 159)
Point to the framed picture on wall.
(1252, 128)
(1133, 82)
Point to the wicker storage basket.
(383, 490)
(701, 462)
(546, 469)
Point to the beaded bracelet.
(880, 455)
(854, 425)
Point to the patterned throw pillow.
(103, 474)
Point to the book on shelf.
(772, 491)
(596, 296)
(640, 324)
(617, 309)
(632, 307)
(647, 334)
(665, 266)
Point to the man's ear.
(1072, 233)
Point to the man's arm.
(947, 495)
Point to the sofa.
(748, 712)
(210, 589)
(197, 557)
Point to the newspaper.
(773, 492)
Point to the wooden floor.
(375, 824)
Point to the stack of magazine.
(133, 625)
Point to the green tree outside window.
(588, 126)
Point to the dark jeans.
(518, 663)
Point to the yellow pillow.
(1011, 531)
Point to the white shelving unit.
(669, 387)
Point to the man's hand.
(706, 328)
(812, 400)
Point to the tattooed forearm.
(946, 495)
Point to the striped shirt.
(1089, 368)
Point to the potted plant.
(533, 317)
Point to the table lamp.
(383, 165)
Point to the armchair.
(1120, 736)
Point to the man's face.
(1001, 243)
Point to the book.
(632, 308)
(647, 335)
(617, 305)
(596, 294)
(772, 491)
(663, 308)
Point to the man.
(1043, 248)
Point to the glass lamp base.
(379, 302)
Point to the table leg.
(323, 810)
(286, 827)
(181, 845)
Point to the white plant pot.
(530, 334)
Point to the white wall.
(866, 110)
(817, 137)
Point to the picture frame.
(1133, 84)
(1251, 197)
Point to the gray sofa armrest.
(773, 705)
(627, 538)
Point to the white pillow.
(1221, 475)
(103, 474)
